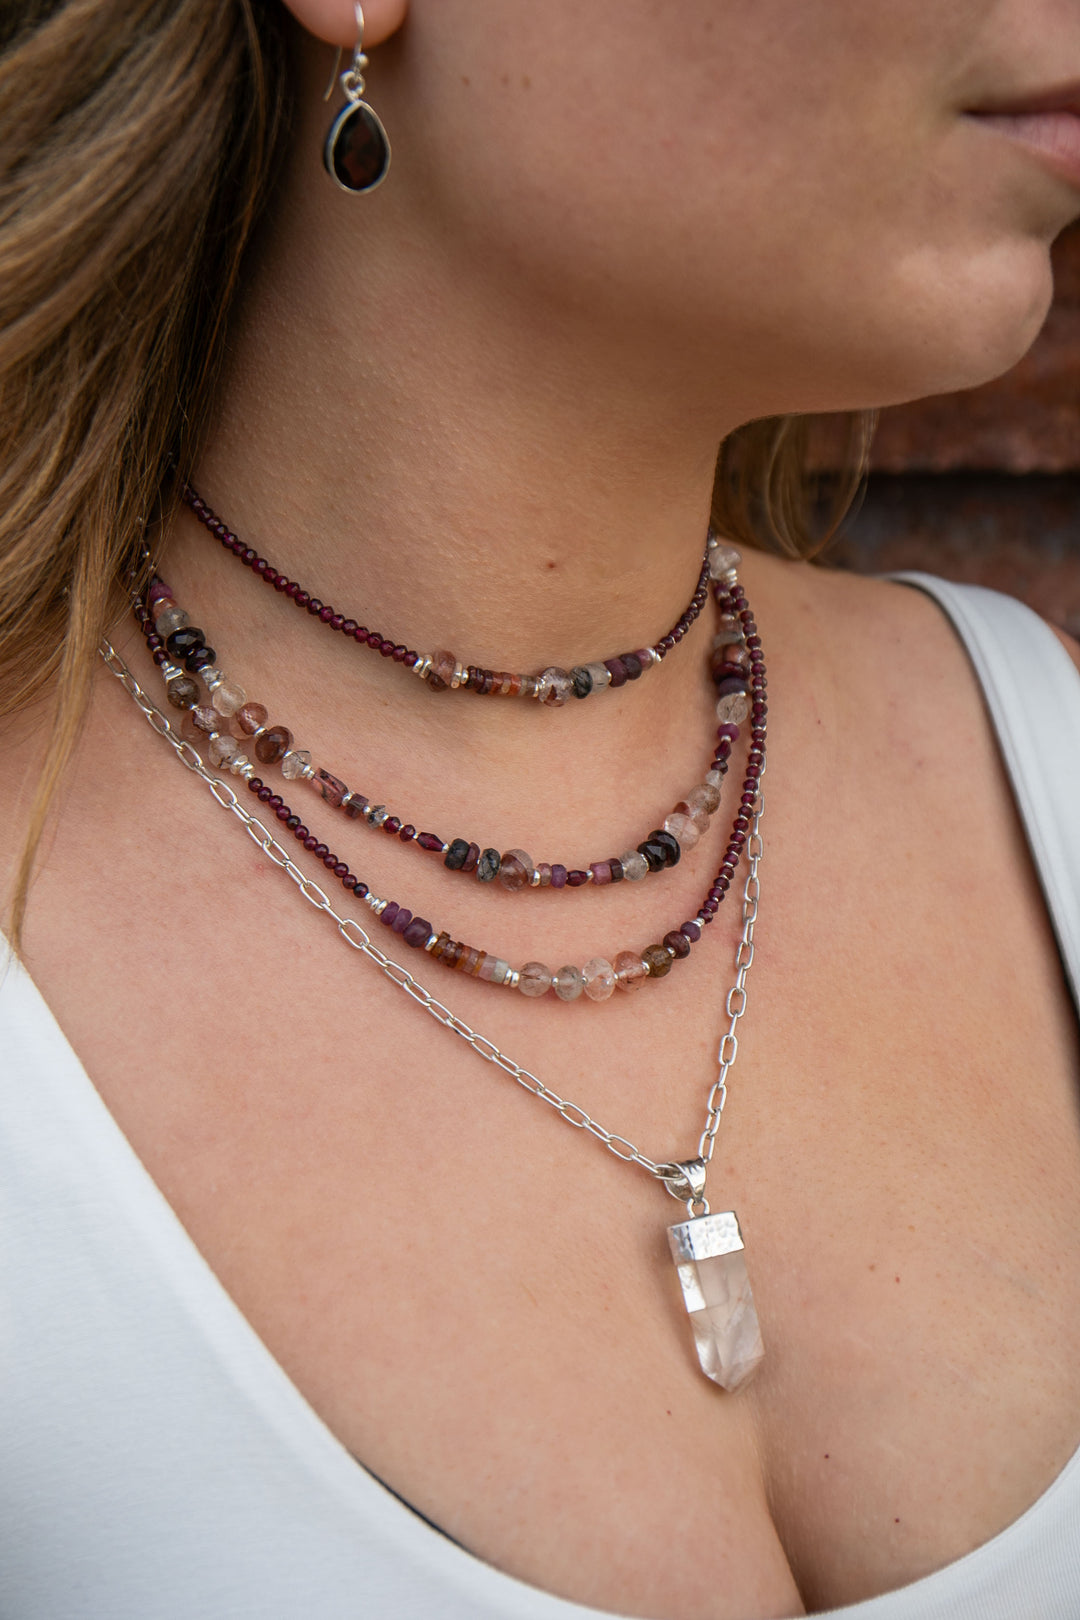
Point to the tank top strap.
(1032, 691)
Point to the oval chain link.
(355, 936)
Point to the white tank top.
(157, 1464)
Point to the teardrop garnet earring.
(357, 151)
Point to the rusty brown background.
(985, 485)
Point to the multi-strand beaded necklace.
(707, 1248)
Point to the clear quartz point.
(708, 1255)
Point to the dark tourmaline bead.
(617, 670)
(402, 920)
(692, 932)
(472, 858)
(488, 865)
(199, 659)
(576, 878)
(418, 933)
(182, 643)
(658, 959)
(616, 870)
(273, 745)
(582, 681)
(669, 842)
(654, 853)
(677, 943)
(558, 877)
(632, 665)
(730, 685)
(430, 842)
(455, 855)
(182, 692)
(386, 917)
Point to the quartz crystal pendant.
(708, 1255)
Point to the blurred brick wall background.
(985, 485)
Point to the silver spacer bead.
(422, 667)
(431, 942)
(307, 773)
(460, 675)
(169, 672)
(378, 906)
(534, 881)
(512, 980)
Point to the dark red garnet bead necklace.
(441, 670)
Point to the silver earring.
(356, 152)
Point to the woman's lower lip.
(1053, 136)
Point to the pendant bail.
(685, 1181)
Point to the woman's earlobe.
(334, 21)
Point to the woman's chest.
(480, 1303)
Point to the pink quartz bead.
(248, 718)
(534, 979)
(159, 592)
(228, 697)
(682, 827)
(601, 872)
(599, 976)
(515, 870)
(705, 798)
(204, 718)
(630, 973)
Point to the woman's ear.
(334, 21)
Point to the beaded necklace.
(707, 1248)
(441, 670)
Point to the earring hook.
(352, 80)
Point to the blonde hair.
(137, 148)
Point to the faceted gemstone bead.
(692, 930)
(357, 151)
(515, 870)
(615, 867)
(354, 805)
(455, 855)
(295, 763)
(158, 592)
(493, 970)
(630, 971)
(582, 681)
(487, 867)
(430, 842)
(472, 858)
(705, 798)
(722, 559)
(677, 943)
(667, 842)
(330, 788)
(556, 687)
(182, 692)
(576, 879)
(599, 674)
(185, 641)
(200, 659)
(273, 745)
(658, 959)
(568, 983)
(682, 827)
(534, 979)
(417, 933)
(654, 854)
(558, 876)
(228, 697)
(711, 1264)
(249, 718)
(599, 976)
(601, 873)
(441, 673)
(169, 619)
(634, 865)
(223, 748)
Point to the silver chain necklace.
(707, 1248)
